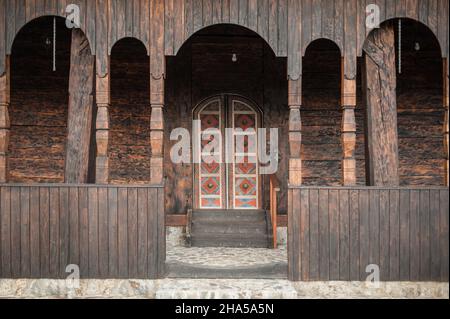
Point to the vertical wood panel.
(354, 235)
(132, 233)
(404, 234)
(324, 235)
(314, 234)
(64, 231)
(122, 227)
(197, 15)
(296, 233)
(334, 206)
(304, 233)
(444, 236)
(234, 11)
(83, 206)
(414, 244)
(161, 235)
(344, 235)
(434, 236)
(44, 231)
(179, 19)
(282, 27)
(103, 227)
(207, 12)
(54, 231)
(25, 261)
(225, 11)
(15, 232)
(394, 235)
(263, 19)
(253, 14)
(383, 235)
(424, 235)
(93, 231)
(142, 233)
(74, 224)
(113, 249)
(243, 12)
(151, 232)
(34, 233)
(364, 233)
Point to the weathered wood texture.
(129, 147)
(381, 107)
(334, 233)
(257, 75)
(421, 113)
(109, 232)
(39, 104)
(80, 110)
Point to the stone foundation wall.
(212, 289)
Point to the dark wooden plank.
(54, 231)
(314, 234)
(15, 232)
(122, 229)
(324, 235)
(152, 239)
(414, 235)
(142, 234)
(296, 235)
(425, 257)
(354, 235)
(304, 234)
(364, 233)
(74, 227)
(435, 258)
(374, 227)
(161, 235)
(83, 206)
(344, 235)
(64, 231)
(404, 234)
(394, 235)
(444, 236)
(103, 248)
(384, 223)
(334, 254)
(25, 261)
(35, 233)
(132, 233)
(93, 232)
(44, 233)
(113, 248)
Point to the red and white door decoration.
(233, 183)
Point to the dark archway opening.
(321, 115)
(420, 107)
(130, 113)
(39, 102)
(204, 67)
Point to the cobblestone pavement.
(225, 257)
(219, 288)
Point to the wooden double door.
(227, 175)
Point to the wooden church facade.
(85, 169)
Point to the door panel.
(235, 185)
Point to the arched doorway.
(222, 181)
(52, 107)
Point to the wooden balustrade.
(274, 190)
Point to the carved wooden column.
(157, 72)
(381, 103)
(102, 127)
(4, 122)
(79, 128)
(348, 131)
(295, 132)
(157, 131)
(446, 124)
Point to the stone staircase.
(230, 228)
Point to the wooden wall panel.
(398, 230)
(109, 232)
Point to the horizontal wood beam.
(181, 220)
